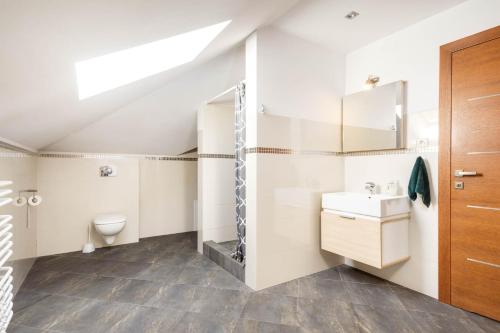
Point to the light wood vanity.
(376, 241)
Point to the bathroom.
(206, 192)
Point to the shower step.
(221, 255)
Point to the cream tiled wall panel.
(74, 194)
(420, 272)
(289, 189)
(167, 194)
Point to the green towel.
(419, 182)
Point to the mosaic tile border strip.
(7, 154)
(116, 156)
(403, 151)
(255, 150)
(286, 151)
(228, 156)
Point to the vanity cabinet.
(376, 241)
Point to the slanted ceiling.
(41, 41)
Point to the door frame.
(444, 197)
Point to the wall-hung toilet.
(109, 226)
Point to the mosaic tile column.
(240, 172)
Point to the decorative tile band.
(14, 154)
(255, 150)
(414, 150)
(116, 156)
(286, 151)
(229, 156)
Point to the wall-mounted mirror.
(374, 119)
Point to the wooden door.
(475, 179)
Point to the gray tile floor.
(163, 285)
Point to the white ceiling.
(163, 121)
(324, 22)
(40, 42)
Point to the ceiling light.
(352, 15)
(371, 82)
(117, 69)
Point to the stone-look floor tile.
(195, 275)
(94, 316)
(48, 312)
(63, 283)
(290, 288)
(271, 308)
(350, 274)
(179, 259)
(135, 291)
(106, 291)
(253, 326)
(164, 273)
(99, 287)
(148, 320)
(322, 288)
(178, 296)
(438, 323)
(374, 319)
(225, 280)
(122, 269)
(135, 253)
(379, 295)
(326, 315)
(23, 329)
(221, 303)
(202, 262)
(26, 298)
(486, 324)
(44, 262)
(330, 274)
(38, 278)
(413, 300)
(203, 323)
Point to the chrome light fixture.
(372, 81)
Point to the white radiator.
(5, 253)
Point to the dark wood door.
(475, 179)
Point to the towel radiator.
(6, 243)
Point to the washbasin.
(377, 205)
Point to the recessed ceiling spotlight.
(352, 15)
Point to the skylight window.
(117, 69)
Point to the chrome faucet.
(370, 186)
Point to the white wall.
(300, 85)
(157, 196)
(216, 184)
(167, 193)
(74, 194)
(21, 169)
(412, 54)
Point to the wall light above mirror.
(375, 119)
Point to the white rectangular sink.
(377, 205)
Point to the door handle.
(462, 173)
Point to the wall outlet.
(422, 142)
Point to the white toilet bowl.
(109, 226)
